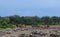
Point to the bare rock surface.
(28, 31)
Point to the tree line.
(9, 21)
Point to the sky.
(30, 7)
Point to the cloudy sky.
(30, 7)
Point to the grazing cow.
(41, 26)
(46, 26)
(21, 25)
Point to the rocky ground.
(31, 32)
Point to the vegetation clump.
(10, 21)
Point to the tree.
(45, 20)
(55, 20)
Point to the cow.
(41, 26)
(21, 25)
